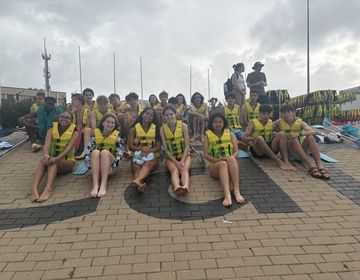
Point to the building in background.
(351, 105)
(19, 94)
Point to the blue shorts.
(238, 132)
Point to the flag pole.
(208, 84)
(190, 82)
(80, 70)
(141, 80)
(114, 73)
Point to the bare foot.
(94, 191)
(102, 192)
(292, 167)
(185, 190)
(44, 196)
(239, 198)
(141, 188)
(34, 196)
(227, 202)
(178, 190)
(193, 139)
(284, 166)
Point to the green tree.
(11, 111)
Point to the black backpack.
(228, 86)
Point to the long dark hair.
(154, 121)
(197, 93)
(157, 100)
(183, 96)
(213, 117)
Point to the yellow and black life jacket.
(59, 142)
(296, 127)
(175, 141)
(180, 109)
(108, 143)
(232, 116)
(92, 107)
(222, 147)
(146, 138)
(202, 108)
(263, 130)
(100, 115)
(34, 107)
(85, 117)
(250, 112)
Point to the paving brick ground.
(292, 227)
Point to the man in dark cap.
(256, 81)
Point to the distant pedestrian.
(256, 81)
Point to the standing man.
(238, 82)
(256, 81)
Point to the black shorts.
(255, 155)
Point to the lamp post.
(307, 45)
(47, 74)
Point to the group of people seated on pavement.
(105, 132)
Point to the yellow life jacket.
(202, 108)
(92, 107)
(85, 117)
(175, 141)
(146, 138)
(180, 109)
(263, 130)
(296, 127)
(222, 147)
(108, 143)
(100, 115)
(34, 107)
(232, 116)
(250, 112)
(59, 142)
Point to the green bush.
(11, 111)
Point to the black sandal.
(314, 172)
(324, 173)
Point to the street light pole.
(80, 70)
(114, 75)
(308, 48)
(47, 74)
(141, 80)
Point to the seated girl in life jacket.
(104, 153)
(175, 140)
(199, 113)
(144, 141)
(58, 155)
(221, 150)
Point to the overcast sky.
(170, 35)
